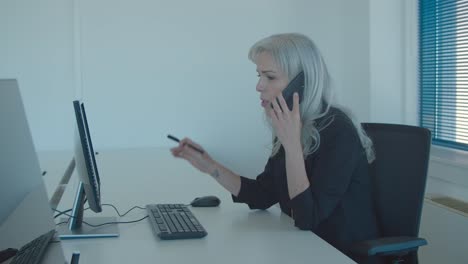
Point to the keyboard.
(32, 252)
(174, 221)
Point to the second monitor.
(89, 188)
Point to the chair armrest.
(388, 246)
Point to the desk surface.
(143, 176)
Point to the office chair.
(399, 175)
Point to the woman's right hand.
(201, 161)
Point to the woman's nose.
(260, 87)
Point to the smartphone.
(295, 85)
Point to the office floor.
(447, 235)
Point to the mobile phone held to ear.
(295, 85)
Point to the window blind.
(443, 74)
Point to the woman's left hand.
(287, 123)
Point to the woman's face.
(272, 80)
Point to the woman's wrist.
(213, 170)
(293, 148)
(228, 179)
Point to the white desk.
(235, 233)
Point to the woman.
(318, 168)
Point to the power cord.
(129, 210)
(121, 215)
(63, 212)
(66, 211)
(108, 223)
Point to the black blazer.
(338, 205)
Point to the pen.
(75, 258)
(193, 147)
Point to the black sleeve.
(258, 193)
(330, 175)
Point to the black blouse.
(338, 205)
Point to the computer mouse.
(205, 201)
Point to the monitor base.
(85, 231)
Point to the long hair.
(294, 53)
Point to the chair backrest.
(399, 175)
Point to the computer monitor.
(25, 213)
(85, 160)
(89, 188)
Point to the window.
(443, 61)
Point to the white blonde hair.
(294, 53)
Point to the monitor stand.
(76, 228)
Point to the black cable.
(61, 213)
(64, 222)
(136, 206)
(66, 211)
(119, 222)
(108, 223)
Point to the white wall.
(36, 47)
(386, 61)
(393, 61)
(148, 68)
